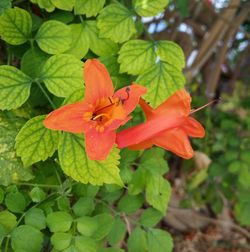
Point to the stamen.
(128, 95)
(204, 106)
(100, 116)
(111, 104)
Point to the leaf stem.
(38, 185)
(46, 95)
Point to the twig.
(127, 223)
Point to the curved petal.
(142, 146)
(130, 96)
(147, 130)
(68, 118)
(99, 144)
(176, 141)
(177, 104)
(97, 80)
(147, 109)
(193, 128)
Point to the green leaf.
(59, 221)
(1, 195)
(15, 202)
(54, 37)
(37, 194)
(63, 203)
(98, 45)
(138, 181)
(116, 22)
(158, 192)
(117, 232)
(44, 4)
(159, 240)
(35, 217)
(26, 238)
(11, 167)
(85, 244)
(75, 163)
(136, 56)
(84, 206)
(62, 74)
(162, 80)
(4, 5)
(36, 143)
(7, 220)
(149, 8)
(171, 53)
(110, 250)
(87, 225)
(63, 4)
(242, 212)
(150, 217)
(15, 26)
(88, 7)
(61, 241)
(14, 87)
(80, 41)
(32, 62)
(130, 203)
(105, 223)
(137, 241)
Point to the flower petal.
(147, 130)
(142, 146)
(68, 118)
(147, 109)
(99, 144)
(176, 141)
(193, 128)
(177, 104)
(97, 80)
(130, 96)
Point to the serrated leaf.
(63, 4)
(15, 202)
(21, 239)
(80, 41)
(98, 45)
(150, 217)
(162, 80)
(116, 22)
(59, 221)
(84, 206)
(15, 26)
(11, 167)
(62, 74)
(32, 62)
(85, 244)
(7, 220)
(159, 240)
(136, 56)
(61, 241)
(149, 8)
(117, 232)
(137, 241)
(130, 203)
(14, 87)
(88, 7)
(44, 4)
(37, 194)
(35, 217)
(54, 37)
(171, 53)
(158, 192)
(75, 163)
(36, 143)
(87, 225)
(4, 5)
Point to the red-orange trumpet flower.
(100, 113)
(168, 126)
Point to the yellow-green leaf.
(62, 74)
(15, 26)
(75, 163)
(44, 4)
(63, 4)
(36, 143)
(116, 22)
(14, 87)
(54, 37)
(149, 8)
(88, 7)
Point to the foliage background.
(209, 209)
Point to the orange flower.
(100, 113)
(168, 126)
